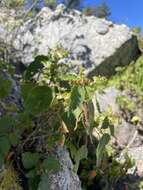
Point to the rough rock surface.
(65, 179)
(126, 133)
(97, 44)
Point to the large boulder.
(97, 44)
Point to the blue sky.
(129, 12)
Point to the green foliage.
(137, 30)
(5, 87)
(6, 124)
(117, 169)
(1, 161)
(13, 3)
(57, 110)
(80, 154)
(101, 11)
(4, 145)
(10, 180)
(88, 11)
(125, 103)
(51, 164)
(44, 183)
(130, 78)
(140, 186)
(72, 3)
(101, 148)
(34, 67)
(30, 160)
(51, 3)
(38, 99)
(77, 97)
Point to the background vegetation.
(57, 109)
(101, 11)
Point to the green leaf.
(77, 112)
(25, 90)
(101, 148)
(72, 148)
(5, 87)
(69, 77)
(14, 138)
(39, 100)
(77, 97)
(51, 164)
(112, 131)
(30, 160)
(81, 154)
(69, 119)
(25, 121)
(91, 113)
(35, 67)
(1, 161)
(6, 124)
(44, 183)
(105, 123)
(33, 182)
(4, 145)
(31, 174)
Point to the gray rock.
(97, 44)
(124, 131)
(137, 154)
(65, 179)
(102, 28)
(126, 135)
(107, 99)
